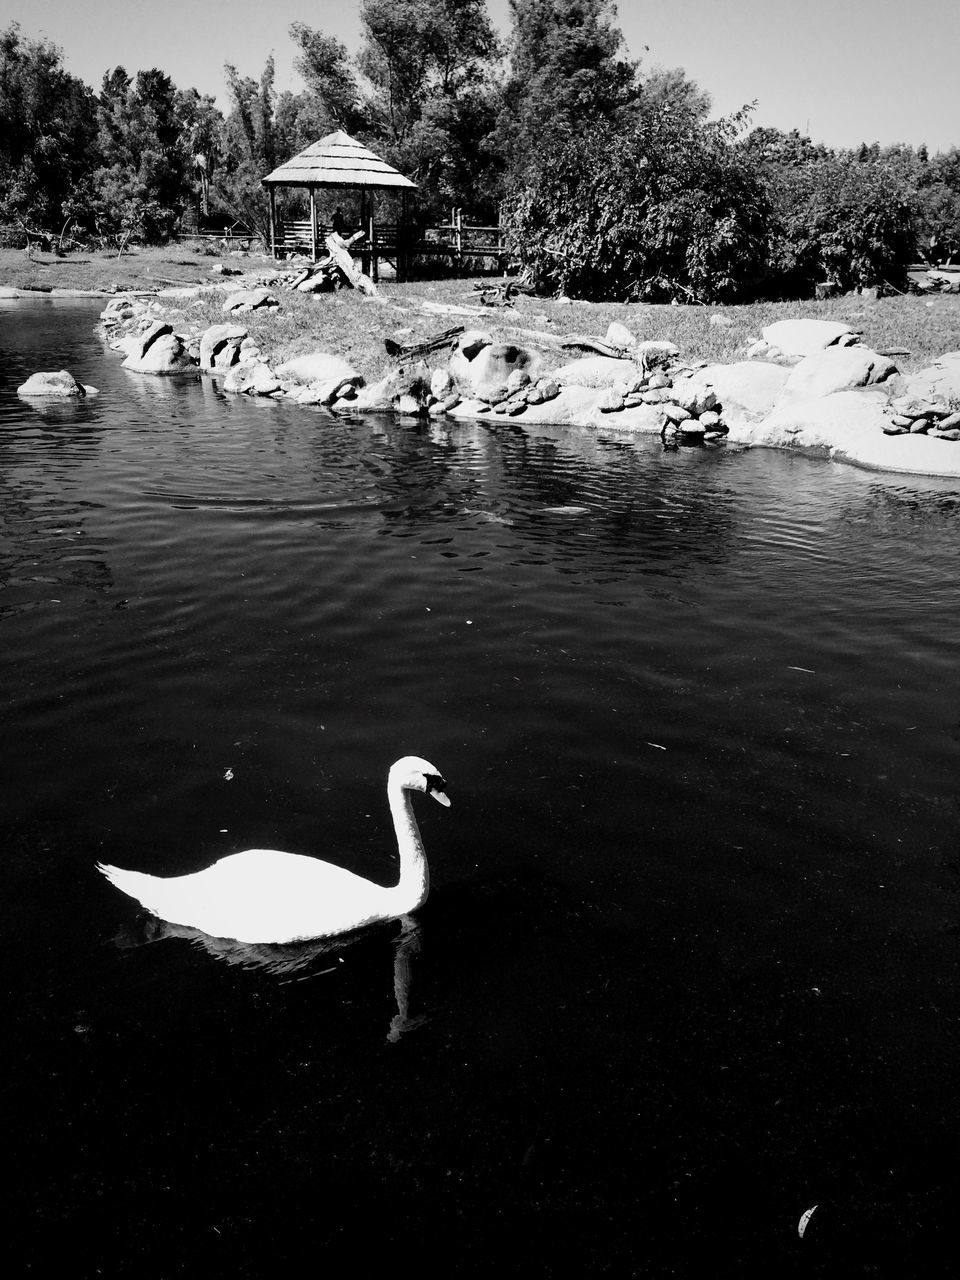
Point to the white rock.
(938, 383)
(220, 346)
(441, 383)
(61, 385)
(803, 337)
(597, 371)
(837, 369)
(320, 366)
(747, 389)
(618, 335)
(693, 396)
(486, 376)
(655, 354)
(161, 353)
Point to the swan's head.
(415, 774)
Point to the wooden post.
(403, 226)
(458, 236)
(313, 224)
(372, 234)
(273, 221)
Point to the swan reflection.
(293, 961)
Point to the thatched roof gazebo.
(336, 161)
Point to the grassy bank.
(353, 326)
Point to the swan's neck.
(414, 883)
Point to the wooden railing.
(457, 240)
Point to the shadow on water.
(302, 961)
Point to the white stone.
(486, 376)
(220, 346)
(597, 371)
(747, 389)
(441, 383)
(161, 353)
(802, 337)
(655, 354)
(60, 385)
(320, 366)
(693, 396)
(837, 369)
(618, 335)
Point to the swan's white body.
(263, 895)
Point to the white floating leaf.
(228, 775)
(804, 1221)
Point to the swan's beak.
(441, 797)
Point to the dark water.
(690, 963)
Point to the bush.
(839, 218)
(665, 209)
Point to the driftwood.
(584, 343)
(444, 339)
(336, 268)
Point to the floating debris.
(805, 1220)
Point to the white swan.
(263, 895)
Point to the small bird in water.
(265, 895)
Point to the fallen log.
(602, 348)
(414, 349)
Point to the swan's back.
(259, 895)
(264, 895)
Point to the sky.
(842, 71)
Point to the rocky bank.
(807, 384)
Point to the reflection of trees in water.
(574, 492)
(45, 549)
(923, 499)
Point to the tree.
(202, 125)
(324, 64)
(47, 131)
(661, 208)
(670, 89)
(566, 77)
(253, 146)
(140, 188)
(421, 93)
(839, 217)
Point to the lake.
(690, 965)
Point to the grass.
(354, 326)
(139, 268)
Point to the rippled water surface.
(690, 962)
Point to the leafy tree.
(202, 125)
(253, 146)
(773, 147)
(670, 89)
(421, 93)
(662, 208)
(325, 66)
(566, 77)
(840, 217)
(47, 131)
(141, 187)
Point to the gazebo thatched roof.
(337, 161)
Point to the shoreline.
(828, 396)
